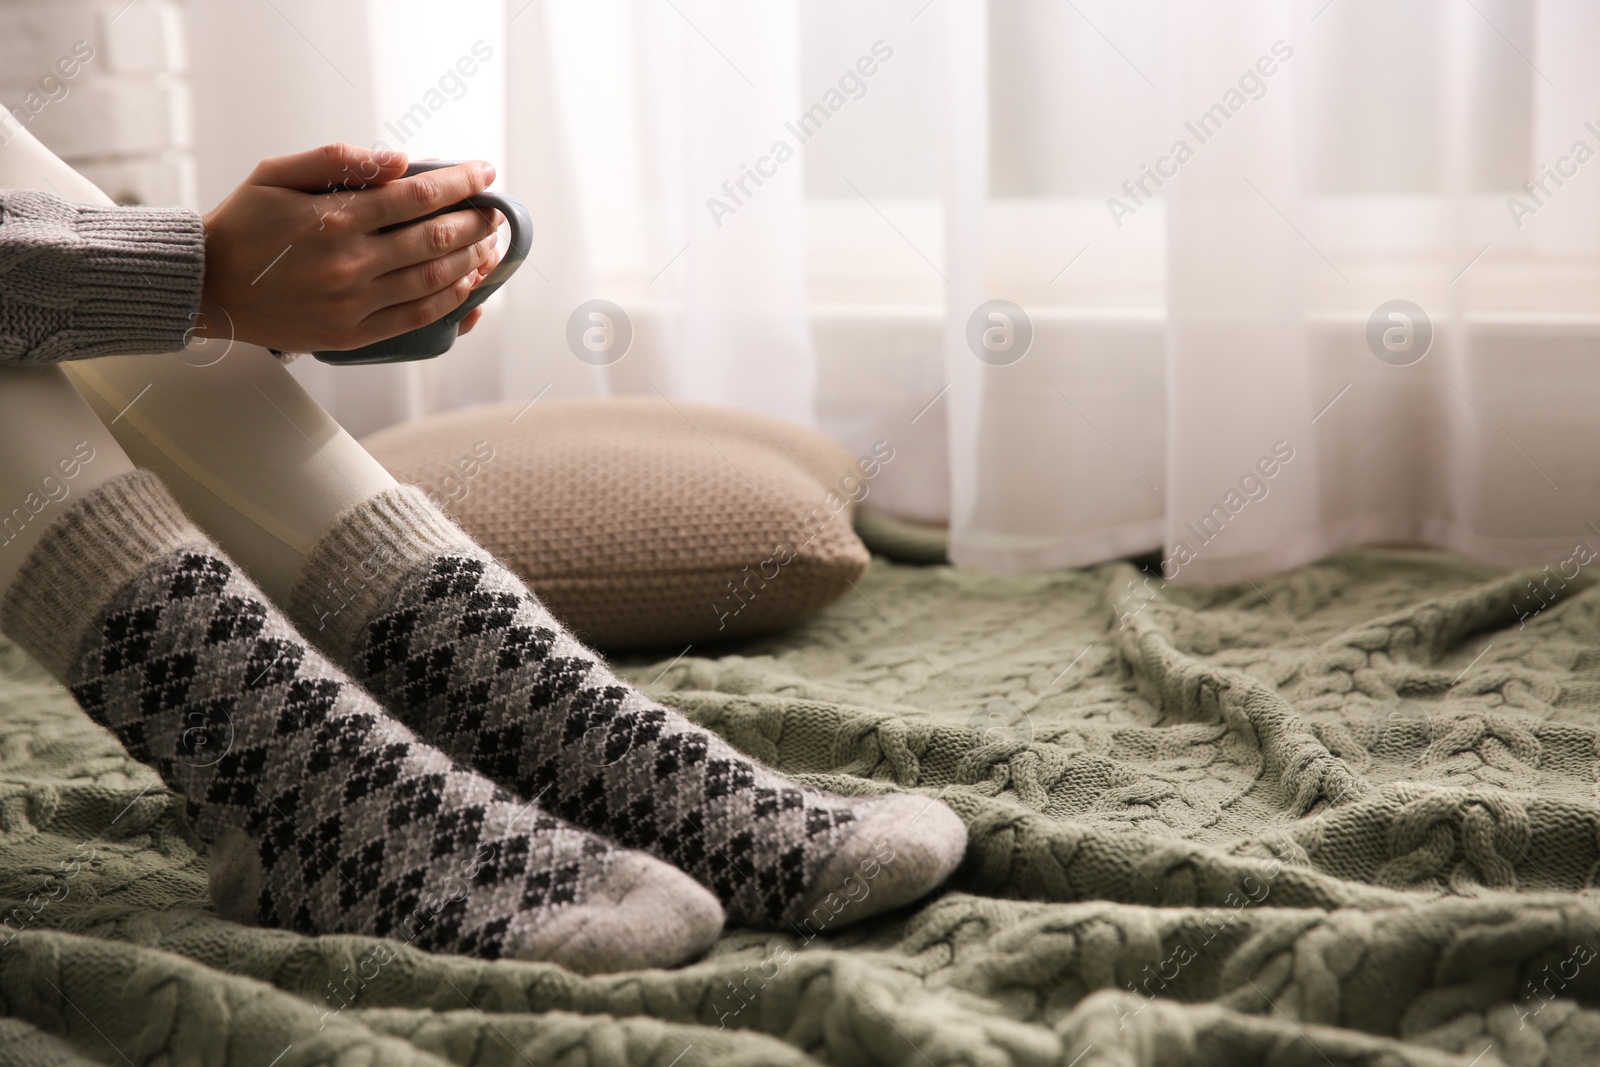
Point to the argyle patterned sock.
(457, 646)
(325, 814)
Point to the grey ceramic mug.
(436, 338)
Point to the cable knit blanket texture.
(1343, 816)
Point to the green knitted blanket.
(1343, 816)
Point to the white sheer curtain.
(1388, 168)
(732, 299)
(1200, 379)
(1354, 153)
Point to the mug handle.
(517, 217)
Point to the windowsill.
(1062, 258)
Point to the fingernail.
(488, 173)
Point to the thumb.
(337, 165)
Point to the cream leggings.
(251, 457)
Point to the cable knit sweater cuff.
(143, 277)
(79, 281)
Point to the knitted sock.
(324, 814)
(457, 646)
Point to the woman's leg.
(52, 451)
(460, 649)
(324, 814)
(257, 463)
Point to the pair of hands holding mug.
(297, 260)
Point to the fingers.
(470, 321)
(433, 238)
(415, 314)
(411, 198)
(331, 166)
(496, 254)
(493, 254)
(424, 279)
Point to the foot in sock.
(325, 814)
(456, 645)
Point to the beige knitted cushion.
(641, 522)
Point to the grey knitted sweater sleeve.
(78, 281)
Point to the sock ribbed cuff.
(355, 568)
(87, 555)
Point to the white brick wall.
(145, 38)
(103, 84)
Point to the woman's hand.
(294, 259)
